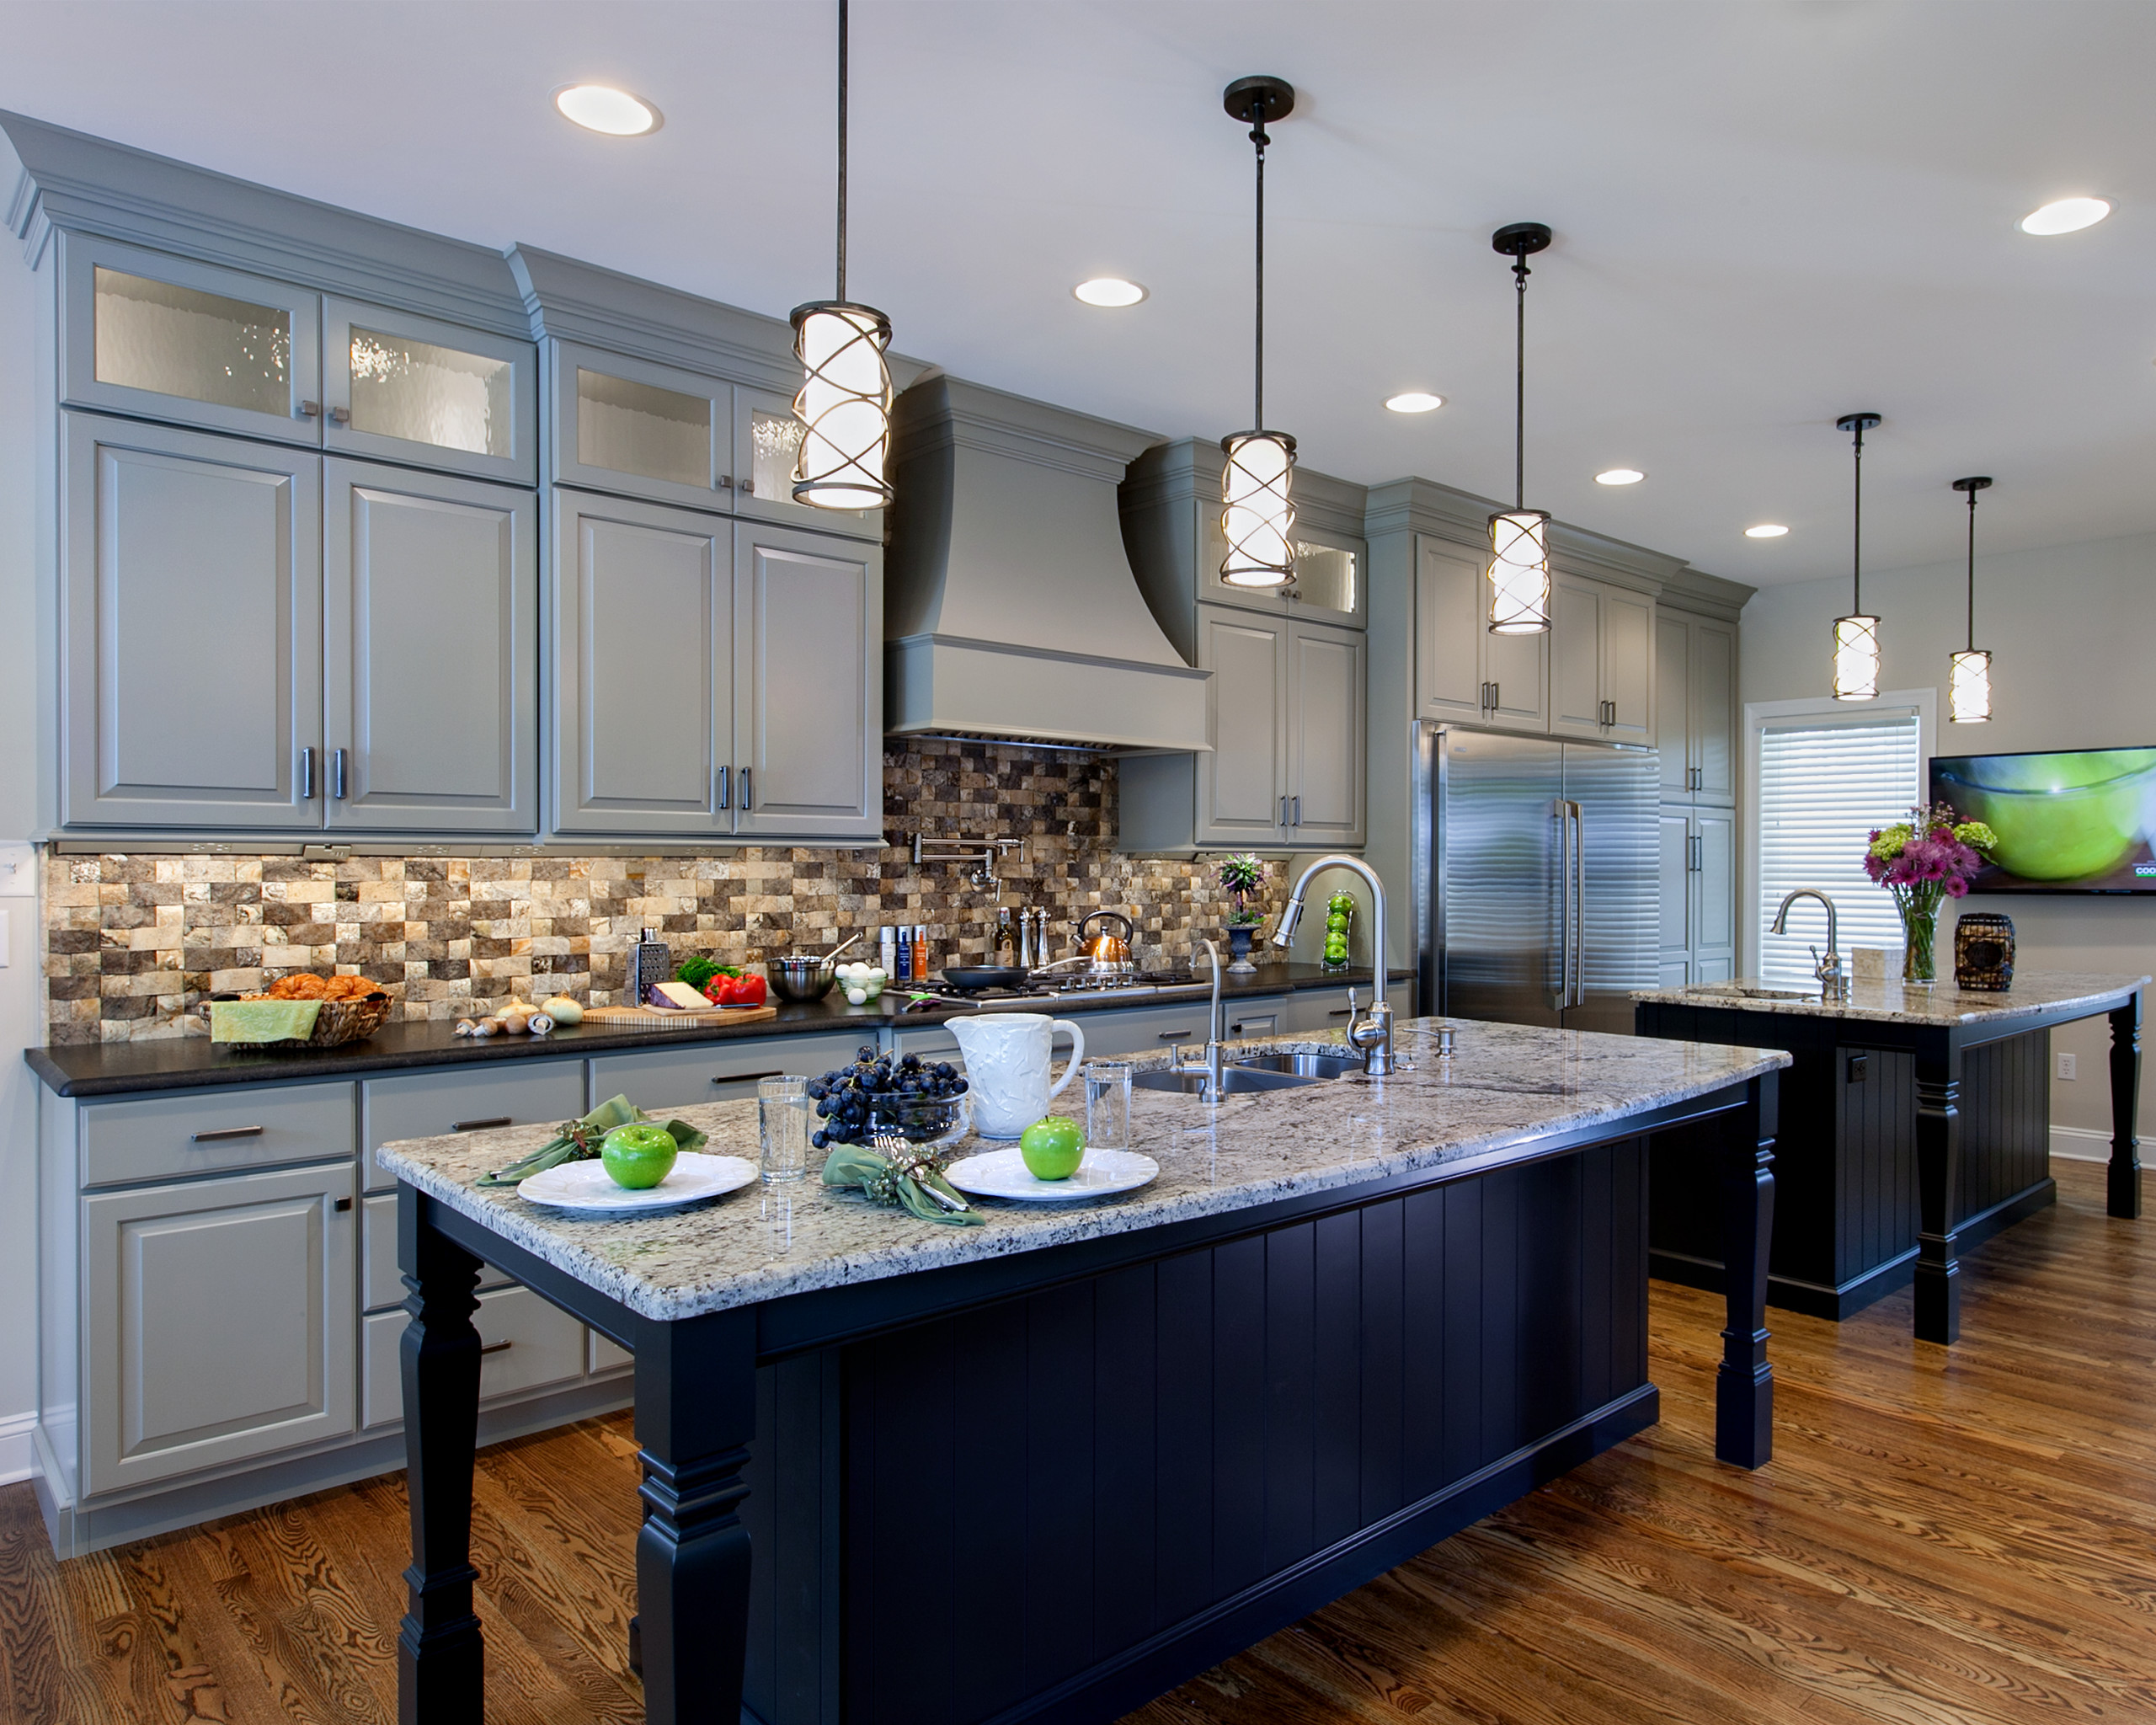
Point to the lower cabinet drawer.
(524, 1344)
(1263, 1021)
(605, 1356)
(656, 1079)
(528, 1092)
(381, 1282)
(171, 1137)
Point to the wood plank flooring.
(1943, 1536)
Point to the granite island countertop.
(1505, 1086)
(1896, 1003)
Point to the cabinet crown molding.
(1417, 505)
(83, 184)
(1703, 595)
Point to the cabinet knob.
(309, 410)
(725, 482)
(748, 487)
(340, 416)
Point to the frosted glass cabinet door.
(165, 338)
(642, 661)
(639, 430)
(767, 443)
(808, 718)
(401, 388)
(430, 651)
(191, 629)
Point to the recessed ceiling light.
(602, 108)
(2066, 215)
(1619, 475)
(1415, 401)
(1766, 529)
(1109, 290)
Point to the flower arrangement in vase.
(1922, 860)
(1239, 878)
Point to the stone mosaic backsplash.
(134, 943)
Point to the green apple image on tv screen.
(2058, 817)
(638, 1155)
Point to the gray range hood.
(1010, 610)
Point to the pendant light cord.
(842, 36)
(1856, 542)
(1972, 568)
(1257, 136)
(1519, 388)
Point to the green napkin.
(579, 1142)
(262, 1021)
(850, 1165)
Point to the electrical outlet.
(2066, 1067)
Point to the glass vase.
(1919, 931)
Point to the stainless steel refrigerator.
(1539, 895)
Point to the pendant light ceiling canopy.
(1856, 636)
(1968, 683)
(1520, 542)
(1257, 515)
(845, 401)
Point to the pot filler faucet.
(1371, 1037)
(1834, 985)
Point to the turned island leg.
(440, 1663)
(2122, 1184)
(1938, 1166)
(696, 1414)
(1744, 1382)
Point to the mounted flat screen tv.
(2083, 821)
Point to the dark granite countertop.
(195, 1062)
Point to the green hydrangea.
(1888, 845)
(1976, 836)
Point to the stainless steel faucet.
(1372, 1037)
(1833, 983)
(1215, 1065)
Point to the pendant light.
(1968, 685)
(1256, 517)
(1520, 544)
(844, 402)
(1856, 636)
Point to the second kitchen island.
(1049, 1468)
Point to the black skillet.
(968, 978)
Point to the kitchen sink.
(1302, 1066)
(1730, 990)
(1234, 1079)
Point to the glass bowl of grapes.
(923, 1102)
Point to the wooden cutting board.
(652, 1018)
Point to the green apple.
(638, 1155)
(1053, 1148)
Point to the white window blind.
(1824, 788)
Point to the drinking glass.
(1107, 1104)
(782, 1127)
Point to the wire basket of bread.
(302, 1009)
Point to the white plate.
(587, 1186)
(1101, 1173)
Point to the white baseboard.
(2080, 1144)
(15, 1447)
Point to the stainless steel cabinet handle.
(1496, 697)
(1579, 905)
(340, 416)
(725, 792)
(306, 775)
(1298, 820)
(1284, 811)
(223, 1132)
(1173, 1035)
(1340, 1013)
(744, 1077)
(309, 410)
(337, 757)
(746, 805)
(481, 1125)
(496, 1348)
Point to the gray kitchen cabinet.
(1697, 938)
(1328, 681)
(638, 429)
(1313, 1009)
(1696, 708)
(640, 668)
(658, 1079)
(1462, 671)
(190, 629)
(401, 387)
(807, 686)
(527, 1347)
(430, 651)
(165, 338)
(1673, 935)
(766, 444)
(1601, 661)
(523, 1093)
(218, 1322)
(1242, 784)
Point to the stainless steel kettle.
(1107, 953)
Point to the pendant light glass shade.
(1257, 519)
(1968, 690)
(1519, 572)
(1856, 657)
(844, 405)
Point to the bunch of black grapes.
(878, 1094)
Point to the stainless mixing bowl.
(800, 980)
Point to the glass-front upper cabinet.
(633, 428)
(403, 388)
(163, 338)
(767, 443)
(1330, 574)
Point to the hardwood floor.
(1943, 1536)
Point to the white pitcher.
(1007, 1060)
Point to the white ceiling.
(1768, 213)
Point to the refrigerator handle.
(1579, 905)
(1563, 811)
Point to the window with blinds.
(1824, 788)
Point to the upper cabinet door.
(639, 430)
(1331, 578)
(1673, 656)
(1713, 700)
(809, 712)
(430, 651)
(641, 665)
(164, 338)
(402, 388)
(1449, 630)
(766, 444)
(1517, 669)
(1328, 703)
(1627, 666)
(190, 629)
(1576, 691)
(1242, 785)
